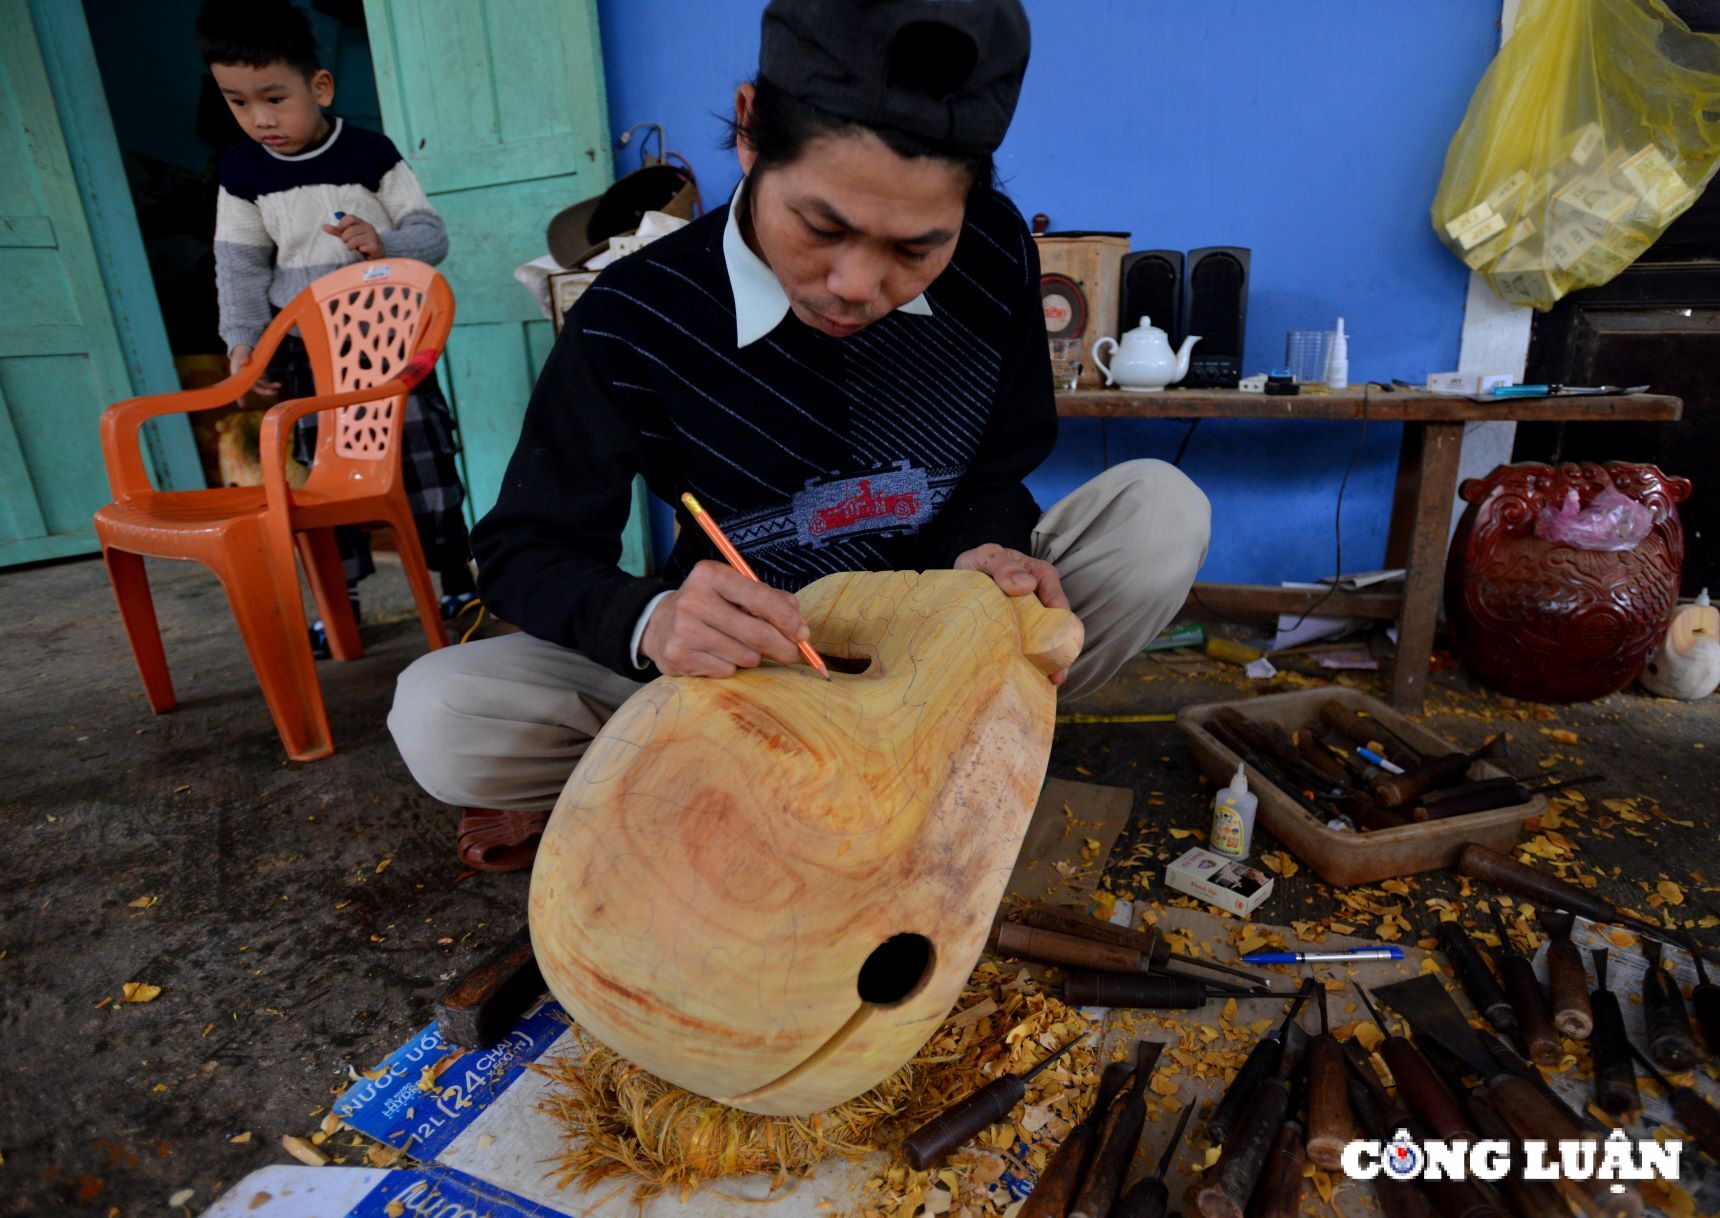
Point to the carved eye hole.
(851, 665)
(895, 969)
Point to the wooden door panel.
(499, 107)
(55, 447)
(20, 515)
(60, 361)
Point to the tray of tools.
(1306, 754)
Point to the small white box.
(1234, 885)
(1453, 382)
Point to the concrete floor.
(305, 918)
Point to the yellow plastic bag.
(1597, 124)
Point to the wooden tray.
(1343, 858)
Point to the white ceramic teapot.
(1144, 360)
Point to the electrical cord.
(1183, 447)
(1337, 526)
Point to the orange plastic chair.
(373, 330)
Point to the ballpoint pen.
(1348, 956)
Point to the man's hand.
(719, 621)
(1018, 574)
(236, 363)
(360, 237)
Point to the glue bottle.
(1338, 359)
(1233, 817)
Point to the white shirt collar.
(760, 302)
(327, 143)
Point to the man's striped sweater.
(898, 447)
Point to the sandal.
(488, 840)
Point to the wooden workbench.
(1421, 504)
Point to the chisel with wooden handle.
(1117, 1140)
(1567, 980)
(1418, 1085)
(1152, 945)
(1056, 1186)
(1396, 1198)
(1279, 1191)
(1477, 979)
(1231, 1181)
(1150, 991)
(1074, 952)
(1331, 1126)
(963, 1119)
(1314, 750)
(1535, 1031)
(1149, 1197)
(1527, 1198)
(1261, 1062)
(1705, 998)
(1615, 1077)
(1381, 1117)
(1401, 790)
(1533, 1117)
(1697, 1115)
(1670, 1039)
(1480, 863)
(1365, 732)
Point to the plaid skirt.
(429, 444)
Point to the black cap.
(948, 71)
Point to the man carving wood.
(847, 365)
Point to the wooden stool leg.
(137, 611)
(1435, 472)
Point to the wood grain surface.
(729, 853)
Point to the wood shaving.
(140, 991)
(619, 1121)
(303, 1151)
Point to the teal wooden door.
(499, 107)
(62, 354)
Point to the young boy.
(305, 196)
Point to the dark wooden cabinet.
(1656, 324)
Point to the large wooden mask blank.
(770, 889)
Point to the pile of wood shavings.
(618, 1121)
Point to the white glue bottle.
(1338, 359)
(1233, 817)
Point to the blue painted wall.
(1312, 133)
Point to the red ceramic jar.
(1549, 622)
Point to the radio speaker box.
(1153, 287)
(1215, 306)
(1079, 280)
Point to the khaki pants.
(500, 723)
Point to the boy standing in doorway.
(306, 195)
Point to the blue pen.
(1368, 754)
(1347, 957)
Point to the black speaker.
(1152, 286)
(1215, 306)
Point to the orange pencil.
(726, 548)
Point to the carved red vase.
(1552, 623)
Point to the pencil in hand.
(726, 548)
